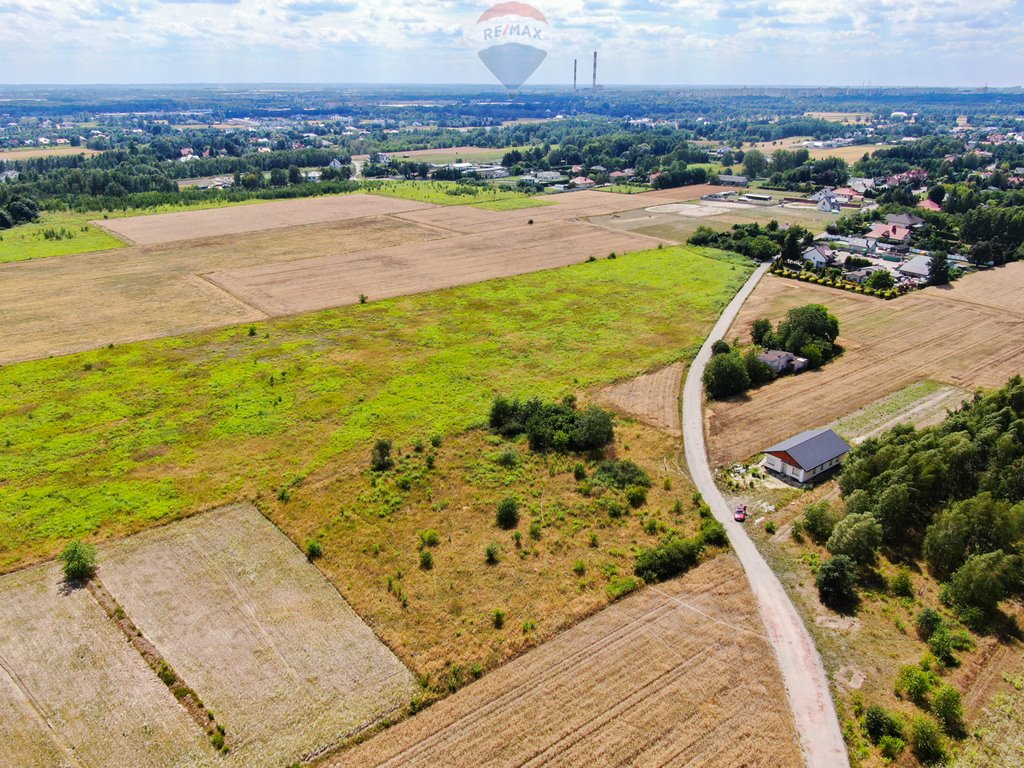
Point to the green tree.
(820, 520)
(755, 164)
(857, 537)
(983, 581)
(938, 269)
(881, 280)
(725, 376)
(758, 371)
(380, 456)
(948, 707)
(936, 194)
(926, 740)
(971, 527)
(837, 582)
(761, 332)
(507, 515)
(78, 561)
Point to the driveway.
(802, 671)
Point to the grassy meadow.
(74, 234)
(109, 441)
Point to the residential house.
(582, 182)
(861, 184)
(727, 180)
(820, 256)
(807, 455)
(548, 176)
(860, 276)
(908, 220)
(894, 233)
(848, 195)
(929, 205)
(783, 362)
(917, 268)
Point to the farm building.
(807, 455)
(783, 362)
(917, 268)
(728, 180)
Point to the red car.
(740, 514)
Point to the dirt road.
(802, 670)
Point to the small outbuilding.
(808, 455)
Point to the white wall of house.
(774, 463)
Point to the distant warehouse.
(807, 455)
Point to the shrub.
(891, 747)
(819, 521)
(579, 472)
(553, 426)
(579, 568)
(720, 347)
(712, 532)
(535, 530)
(435, 441)
(593, 542)
(926, 740)
(941, 645)
(426, 559)
(928, 620)
(913, 683)
(670, 558)
(621, 586)
(498, 617)
(836, 582)
(636, 496)
(949, 709)
(430, 461)
(166, 674)
(616, 473)
(508, 458)
(901, 584)
(78, 561)
(880, 722)
(429, 538)
(491, 554)
(770, 528)
(507, 515)
(314, 549)
(380, 456)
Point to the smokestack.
(574, 75)
(594, 84)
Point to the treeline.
(756, 242)
(15, 210)
(954, 494)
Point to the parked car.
(740, 514)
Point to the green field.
(625, 189)
(28, 241)
(443, 193)
(109, 441)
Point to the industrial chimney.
(574, 75)
(594, 84)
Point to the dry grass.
(73, 692)
(371, 541)
(846, 118)
(967, 336)
(652, 397)
(677, 675)
(262, 637)
(29, 153)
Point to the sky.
(640, 42)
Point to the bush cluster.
(559, 427)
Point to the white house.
(807, 455)
(819, 255)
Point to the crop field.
(317, 283)
(27, 153)
(676, 675)
(74, 693)
(964, 336)
(449, 155)
(368, 244)
(847, 118)
(653, 397)
(233, 220)
(113, 440)
(263, 638)
(59, 305)
(850, 154)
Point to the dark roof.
(812, 448)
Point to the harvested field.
(259, 633)
(29, 152)
(922, 404)
(63, 304)
(678, 674)
(237, 219)
(653, 398)
(967, 335)
(328, 281)
(74, 693)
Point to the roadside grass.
(106, 442)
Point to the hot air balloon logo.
(514, 39)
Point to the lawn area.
(75, 234)
(110, 441)
(624, 189)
